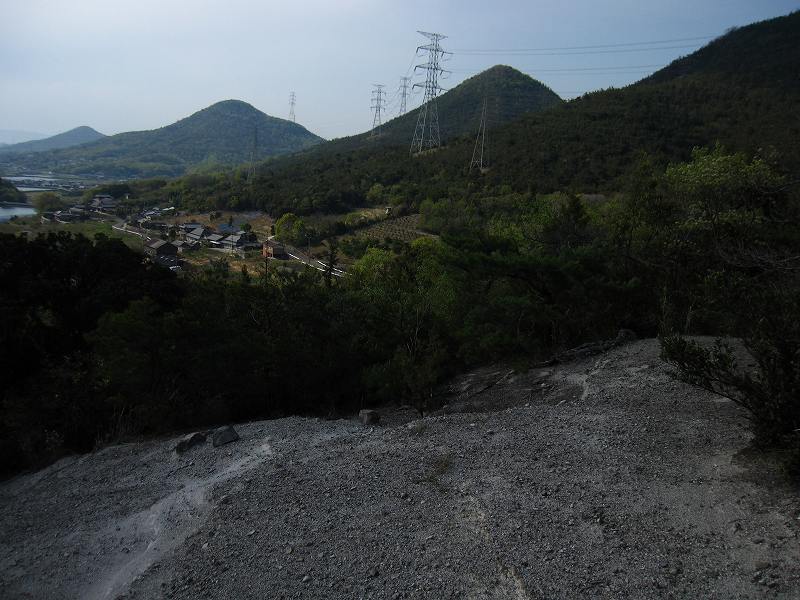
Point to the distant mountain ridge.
(74, 137)
(223, 134)
(509, 95)
(15, 136)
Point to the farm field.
(32, 227)
(404, 229)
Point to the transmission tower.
(251, 170)
(403, 93)
(292, 100)
(426, 133)
(378, 104)
(480, 143)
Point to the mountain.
(590, 144)
(15, 136)
(509, 95)
(73, 137)
(222, 134)
(740, 90)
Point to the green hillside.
(509, 94)
(589, 144)
(9, 193)
(222, 134)
(73, 137)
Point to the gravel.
(600, 478)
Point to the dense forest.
(101, 346)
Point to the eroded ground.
(603, 478)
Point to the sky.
(124, 65)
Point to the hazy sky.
(121, 65)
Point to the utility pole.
(480, 142)
(426, 133)
(403, 93)
(251, 171)
(378, 104)
(292, 100)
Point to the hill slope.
(721, 93)
(509, 93)
(590, 143)
(609, 452)
(73, 137)
(222, 134)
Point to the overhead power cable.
(597, 46)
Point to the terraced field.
(405, 229)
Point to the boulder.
(197, 438)
(369, 417)
(224, 435)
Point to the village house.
(103, 203)
(198, 234)
(233, 241)
(214, 239)
(162, 252)
(185, 245)
(272, 249)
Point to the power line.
(426, 133)
(292, 100)
(621, 45)
(378, 104)
(403, 94)
(480, 142)
(251, 170)
(541, 53)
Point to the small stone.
(190, 441)
(306, 578)
(761, 565)
(251, 532)
(369, 417)
(224, 435)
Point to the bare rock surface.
(599, 478)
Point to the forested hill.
(741, 91)
(222, 134)
(73, 137)
(761, 54)
(589, 144)
(509, 94)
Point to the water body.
(6, 212)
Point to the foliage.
(9, 193)
(48, 202)
(705, 247)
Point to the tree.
(48, 202)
